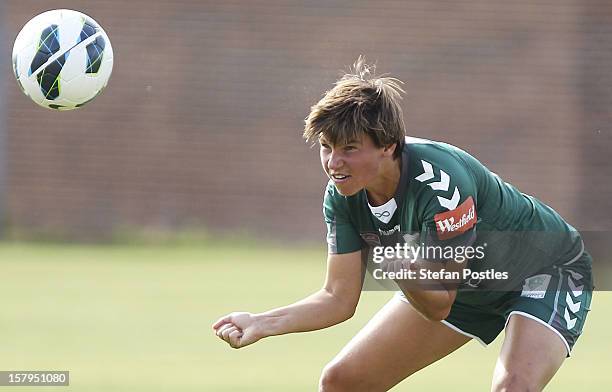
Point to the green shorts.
(558, 296)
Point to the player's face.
(354, 165)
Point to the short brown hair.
(359, 102)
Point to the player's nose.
(335, 160)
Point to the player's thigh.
(396, 343)
(530, 356)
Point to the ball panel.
(89, 28)
(95, 52)
(49, 78)
(48, 44)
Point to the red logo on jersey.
(452, 223)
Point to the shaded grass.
(136, 317)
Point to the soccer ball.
(62, 59)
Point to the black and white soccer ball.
(62, 59)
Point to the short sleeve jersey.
(446, 196)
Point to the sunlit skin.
(359, 164)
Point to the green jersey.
(446, 197)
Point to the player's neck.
(384, 187)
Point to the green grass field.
(137, 318)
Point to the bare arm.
(434, 305)
(334, 303)
(432, 298)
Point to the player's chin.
(347, 189)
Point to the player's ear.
(389, 150)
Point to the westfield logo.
(449, 224)
(457, 221)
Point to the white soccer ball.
(62, 59)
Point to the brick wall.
(200, 125)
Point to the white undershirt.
(385, 212)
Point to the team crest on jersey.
(452, 223)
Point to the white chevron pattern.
(428, 173)
(571, 322)
(451, 203)
(443, 184)
(576, 290)
(574, 307)
(575, 275)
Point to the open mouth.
(339, 177)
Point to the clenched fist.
(239, 329)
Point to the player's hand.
(238, 329)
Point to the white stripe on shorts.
(569, 351)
